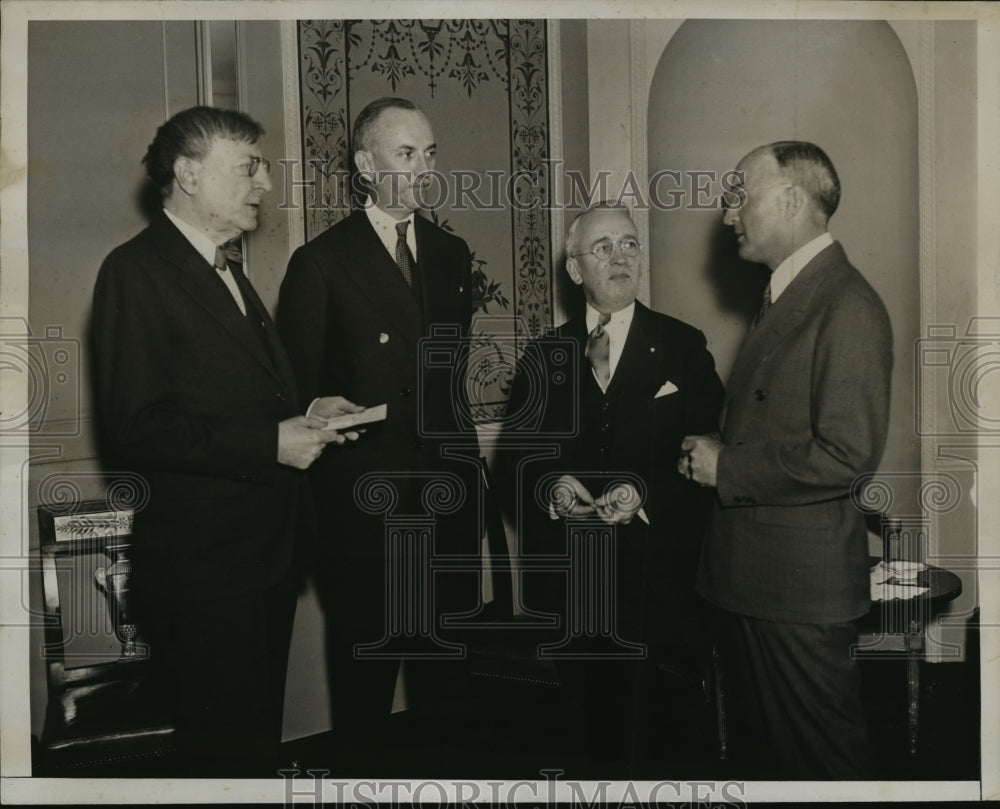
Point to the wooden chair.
(101, 717)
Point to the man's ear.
(365, 164)
(793, 200)
(186, 175)
(574, 271)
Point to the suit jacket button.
(759, 395)
(404, 392)
(279, 396)
(418, 445)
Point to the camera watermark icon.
(479, 371)
(964, 370)
(49, 369)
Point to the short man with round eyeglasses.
(642, 380)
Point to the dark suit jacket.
(598, 436)
(190, 394)
(806, 413)
(353, 327)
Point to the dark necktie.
(599, 350)
(765, 304)
(220, 262)
(404, 258)
(221, 265)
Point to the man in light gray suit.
(806, 412)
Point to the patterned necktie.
(228, 276)
(765, 304)
(404, 258)
(599, 350)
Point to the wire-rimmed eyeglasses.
(605, 248)
(251, 164)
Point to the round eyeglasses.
(251, 165)
(605, 249)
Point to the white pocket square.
(666, 389)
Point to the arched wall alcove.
(723, 87)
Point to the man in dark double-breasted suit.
(596, 412)
(355, 305)
(806, 414)
(196, 394)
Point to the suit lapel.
(438, 287)
(209, 291)
(576, 329)
(379, 279)
(276, 349)
(785, 314)
(637, 361)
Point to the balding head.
(790, 189)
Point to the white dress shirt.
(385, 227)
(206, 247)
(617, 329)
(786, 271)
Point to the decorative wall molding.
(439, 50)
(639, 92)
(324, 111)
(529, 147)
(291, 104)
(557, 219)
(917, 39)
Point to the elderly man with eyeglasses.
(596, 416)
(196, 394)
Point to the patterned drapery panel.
(483, 85)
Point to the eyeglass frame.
(613, 245)
(253, 164)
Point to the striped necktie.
(765, 304)
(599, 350)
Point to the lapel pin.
(383, 338)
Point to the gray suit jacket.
(806, 413)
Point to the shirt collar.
(385, 227)
(786, 271)
(199, 241)
(619, 319)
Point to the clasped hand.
(699, 459)
(302, 439)
(570, 498)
